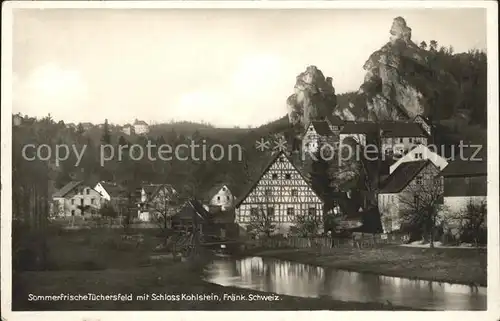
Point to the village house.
(400, 185)
(282, 193)
(425, 123)
(113, 194)
(77, 199)
(141, 127)
(220, 195)
(399, 137)
(156, 199)
(191, 214)
(86, 125)
(359, 131)
(315, 135)
(71, 126)
(128, 129)
(17, 119)
(465, 182)
(420, 152)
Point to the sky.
(226, 67)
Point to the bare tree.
(421, 206)
(262, 221)
(162, 207)
(308, 224)
(473, 221)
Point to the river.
(303, 280)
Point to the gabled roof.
(359, 128)
(192, 207)
(272, 160)
(140, 122)
(322, 128)
(152, 189)
(113, 190)
(215, 189)
(402, 129)
(462, 168)
(402, 176)
(67, 188)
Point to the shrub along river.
(303, 280)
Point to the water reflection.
(283, 277)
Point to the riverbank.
(175, 280)
(461, 266)
(102, 261)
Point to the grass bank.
(462, 266)
(102, 261)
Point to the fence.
(358, 240)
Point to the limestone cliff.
(313, 98)
(398, 78)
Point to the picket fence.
(358, 240)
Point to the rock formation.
(396, 77)
(313, 98)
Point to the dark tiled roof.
(402, 176)
(113, 190)
(359, 128)
(401, 129)
(190, 208)
(465, 168)
(322, 128)
(336, 120)
(67, 188)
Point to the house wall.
(391, 205)
(82, 195)
(141, 129)
(224, 198)
(283, 189)
(100, 189)
(418, 153)
(310, 141)
(465, 186)
(423, 124)
(158, 203)
(127, 130)
(400, 145)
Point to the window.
(270, 211)
(288, 176)
(88, 191)
(227, 198)
(254, 211)
(419, 180)
(218, 198)
(268, 192)
(290, 211)
(410, 139)
(72, 212)
(72, 202)
(312, 211)
(295, 192)
(92, 201)
(307, 144)
(275, 176)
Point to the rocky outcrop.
(398, 76)
(313, 98)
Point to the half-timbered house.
(282, 193)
